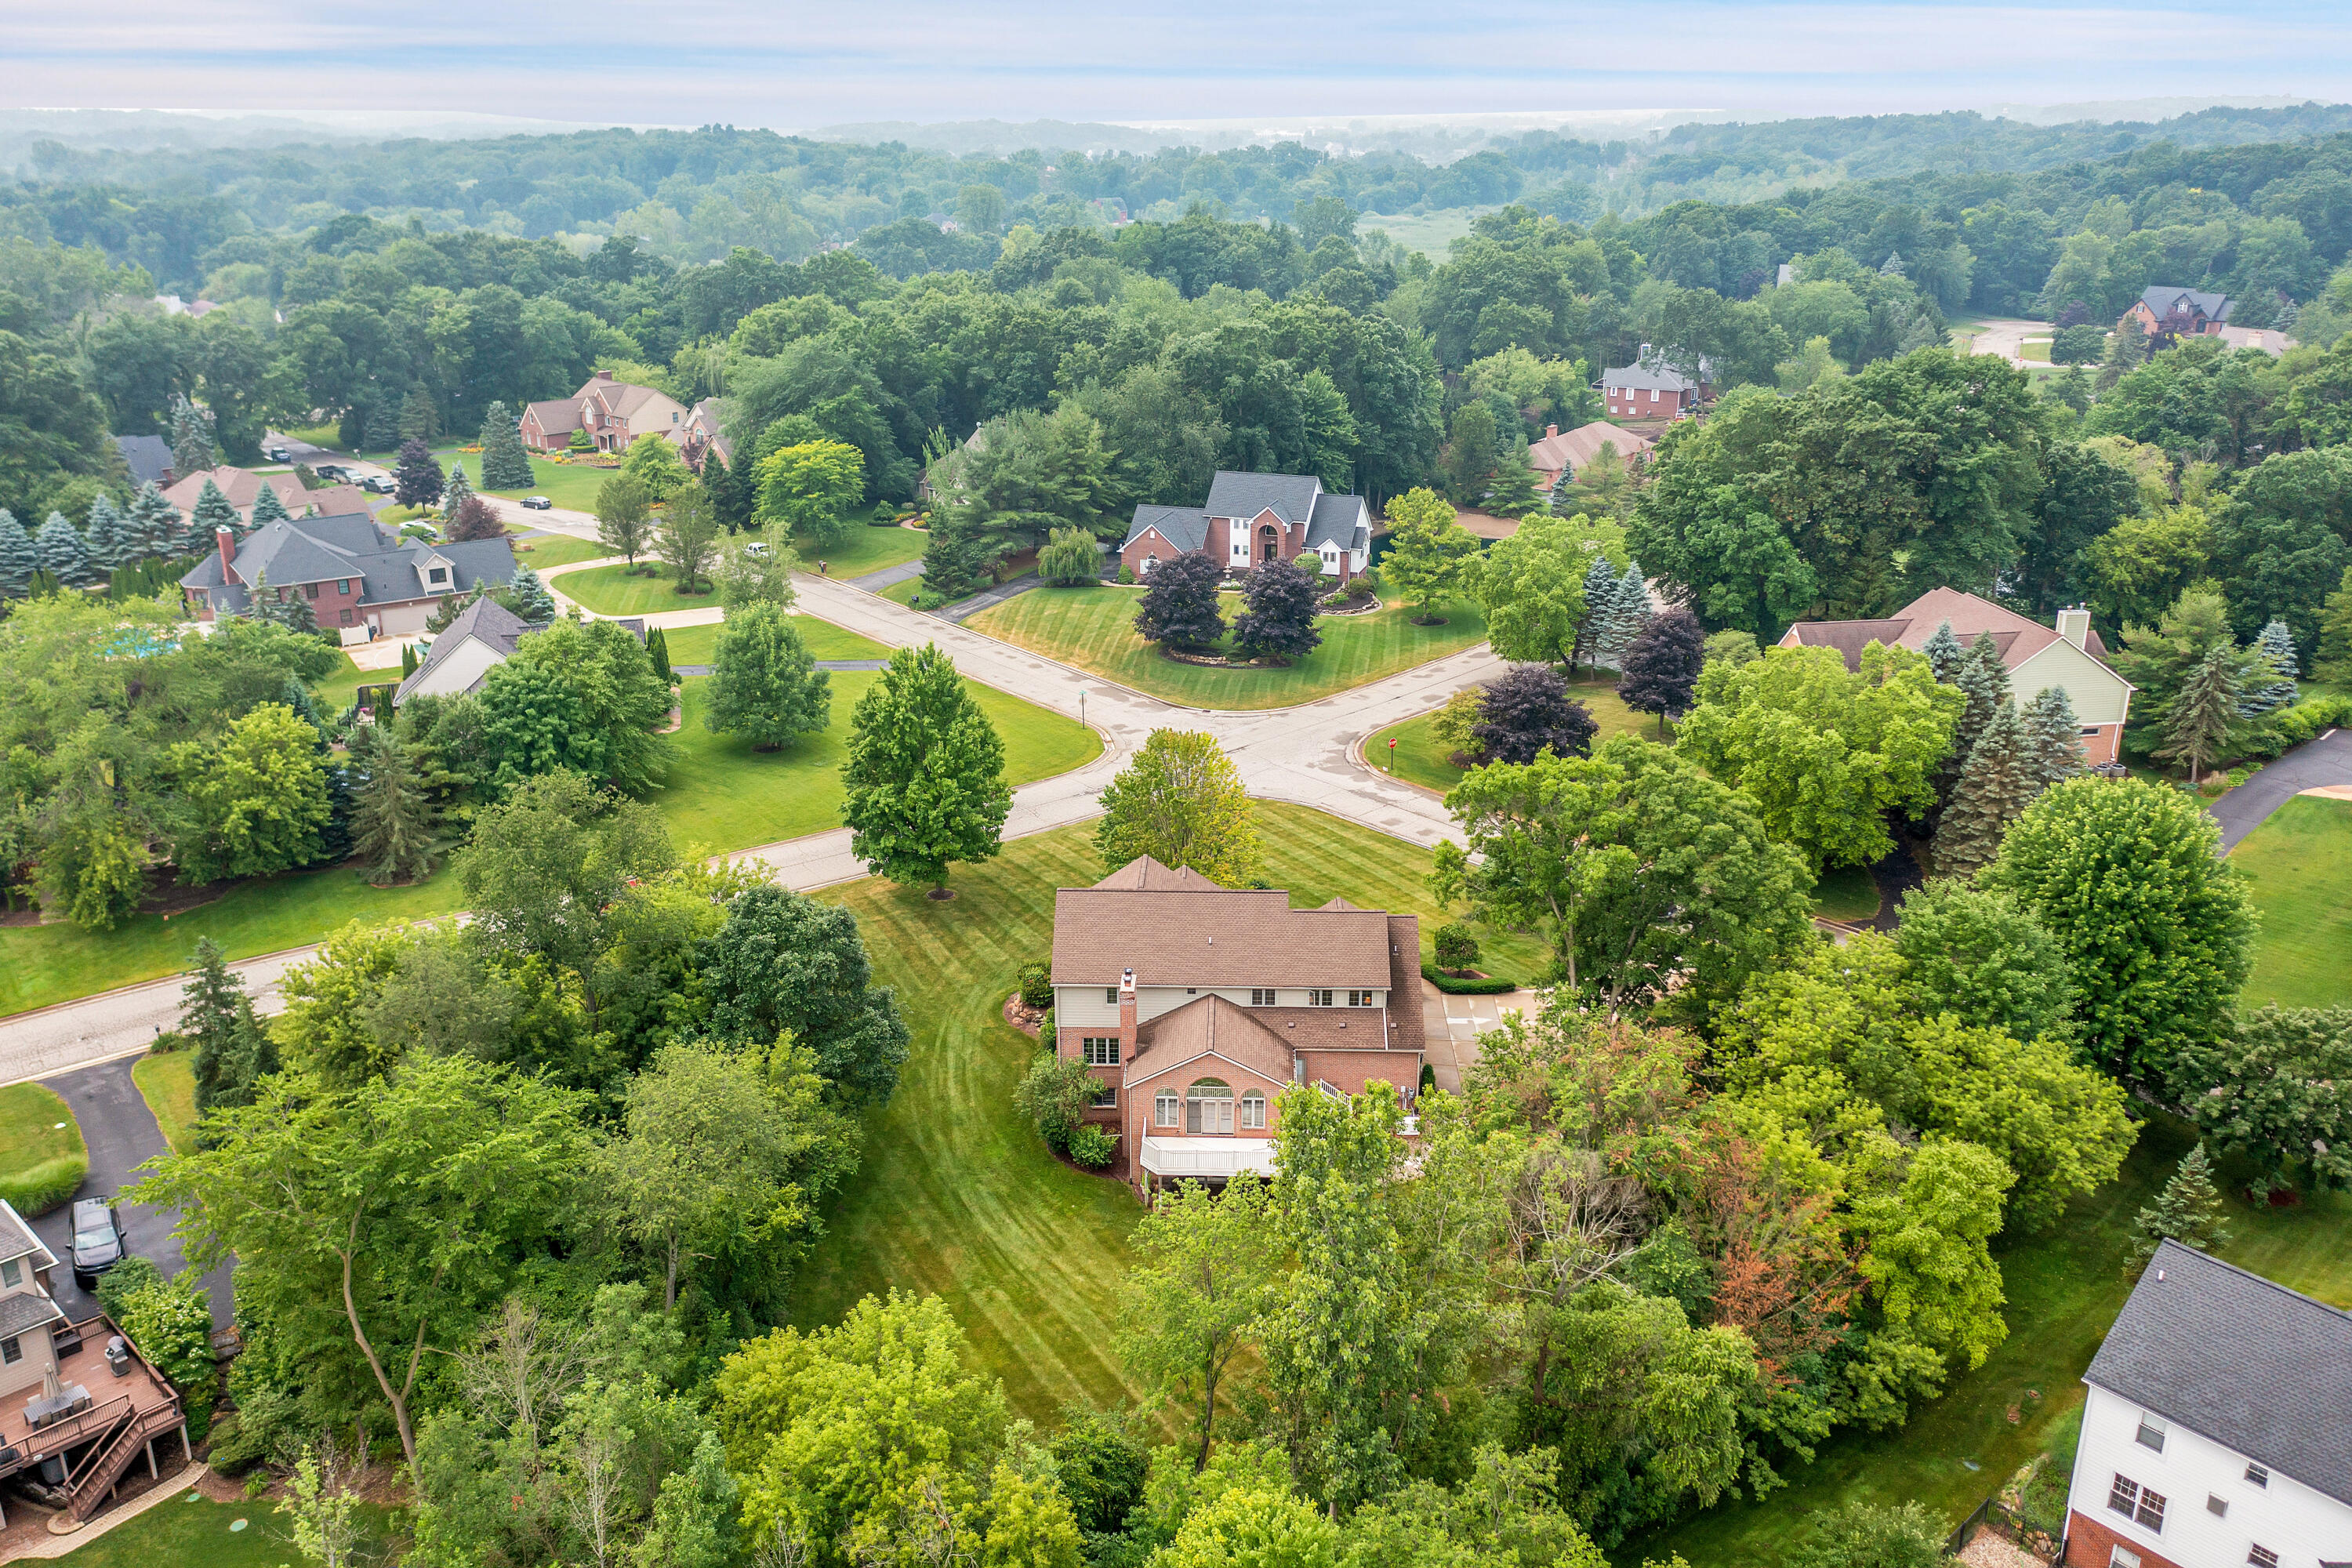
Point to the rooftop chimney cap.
(1127, 980)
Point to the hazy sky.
(793, 65)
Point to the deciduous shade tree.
(578, 696)
(810, 489)
(474, 518)
(1055, 1096)
(1872, 1535)
(63, 555)
(2155, 926)
(505, 464)
(416, 477)
(1178, 608)
(623, 516)
(1659, 673)
(406, 1207)
(1533, 587)
(1278, 612)
(91, 834)
(2276, 1085)
(756, 568)
(394, 822)
(256, 802)
(2188, 1211)
(1206, 1272)
(1074, 555)
(764, 683)
(925, 773)
(1527, 709)
(1430, 556)
(1182, 802)
(654, 462)
(1636, 869)
(1825, 752)
(1972, 953)
(689, 534)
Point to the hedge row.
(1491, 986)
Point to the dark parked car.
(96, 1240)
(535, 503)
(334, 471)
(278, 454)
(378, 484)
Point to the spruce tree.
(1600, 595)
(417, 478)
(19, 558)
(393, 818)
(2188, 1211)
(2053, 737)
(192, 440)
(102, 535)
(505, 464)
(382, 425)
(269, 507)
(454, 493)
(212, 1007)
(1628, 608)
(1981, 676)
(2202, 721)
(419, 420)
(63, 555)
(2276, 644)
(657, 649)
(153, 528)
(297, 696)
(1945, 654)
(531, 600)
(1996, 786)
(731, 498)
(211, 513)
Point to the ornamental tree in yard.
(1179, 609)
(1984, 681)
(18, 557)
(925, 773)
(810, 489)
(785, 961)
(2276, 1087)
(1277, 618)
(2155, 926)
(256, 802)
(689, 535)
(1616, 621)
(2203, 720)
(577, 696)
(1634, 868)
(2276, 644)
(623, 516)
(764, 683)
(211, 513)
(474, 518)
(1660, 671)
(1074, 555)
(1826, 751)
(1182, 802)
(416, 477)
(1430, 556)
(1528, 710)
(62, 554)
(755, 568)
(505, 464)
(191, 438)
(1534, 586)
(1926, 1253)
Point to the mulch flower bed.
(1023, 1016)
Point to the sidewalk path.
(2314, 764)
(963, 610)
(1301, 755)
(889, 576)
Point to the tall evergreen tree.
(192, 451)
(925, 774)
(269, 507)
(297, 696)
(417, 478)
(1998, 782)
(381, 426)
(1945, 654)
(2276, 644)
(657, 649)
(532, 601)
(1628, 610)
(211, 513)
(1599, 597)
(2202, 721)
(731, 497)
(505, 464)
(2053, 737)
(231, 1051)
(155, 529)
(18, 557)
(63, 555)
(393, 817)
(419, 420)
(454, 493)
(102, 535)
(2188, 1211)
(1984, 680)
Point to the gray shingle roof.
(1185, 528)
(1290, 497)
(16, 1237)
(21, 1310)
(149, 456)
(2250, 1364)
(1330, 518)
(1337, 520)
(328, 549)
(1645, 377)
(484, 619)
(2159, 299)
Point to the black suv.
(96, 1240)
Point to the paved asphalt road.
(122, 1134)
(2325, 761)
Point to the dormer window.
(438, 575)
(12, 1273)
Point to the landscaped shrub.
(1055, 1098)
(1457, 946)
(171, 1322)
(1092, 1147)
(2303, 720)
(1045, 1032)
(1036, 985)
(1491, 986)
(2078, 345)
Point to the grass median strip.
(42, 1159)
(168, 1084)
(2298, 866)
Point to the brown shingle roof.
(1571, 449)
(1177, 927)
(2016, 637)
(1211, 1024)
(1405, 1032)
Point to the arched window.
(1209, 1107)
(1253, 1111)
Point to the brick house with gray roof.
(2173, 311)
(356, 574)
(1252, 518)
(1197, 1006)
(1649, 388)
(2218, 1427)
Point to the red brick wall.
(1151, 547)
(2089, 1543)
(2101, 748)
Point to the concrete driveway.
(2006, 336)
(122, 1134)
(2314, 764)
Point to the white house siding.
(2098, 694)
(2301, 1525)
(1082, 1006)
(403, 620)
(458, 670)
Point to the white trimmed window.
(1110, 996)
(1253, 1111)
(2150, 1434)
(12, 1273)
(1262, 997)
(1099, 1050)
(2122, 1557)
(1318, 998)
(1163, 1108)
(1209, 1107)
(1364, 998)
(12, 1350)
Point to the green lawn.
(193, 1531)
(1092, 629)
(572, 485)
(2299, 865)
(1420, 760)
(168, 1084)
(617, 591)
(1431, 234)
(960, 1198)
(556, 550)
(41, 965)
(1846, 893)
(2063, 1289)
(697, 645)
(903, 593)
(727, 796)
(335, 692)
(42, 1159)
(867, 549)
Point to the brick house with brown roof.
(242, 488)
(1557, 457)
(612, 413)
(1198, 1005)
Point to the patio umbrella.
(52, 1387)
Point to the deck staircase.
(92, 1480)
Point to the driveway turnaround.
(2314, 764)
(1301, 755)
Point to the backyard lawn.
(572, 485)
(1421, 760)
(168, 1084)
(2063, 1289)
(618, 591)
(556, 550)
(1846, 893)
(960, 1196)
(42, 1159)
(1094, 628)
(193, 1531)
(697, 645)
(335, 692)
(728, 797)
(2298, 866)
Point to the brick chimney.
(1126, 1016)
(1550, 431)
(224, 541)
(604, 375)
(2074, 625)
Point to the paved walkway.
(2314, 764)
(1301, 755)
(890, 576)
(963, 610)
